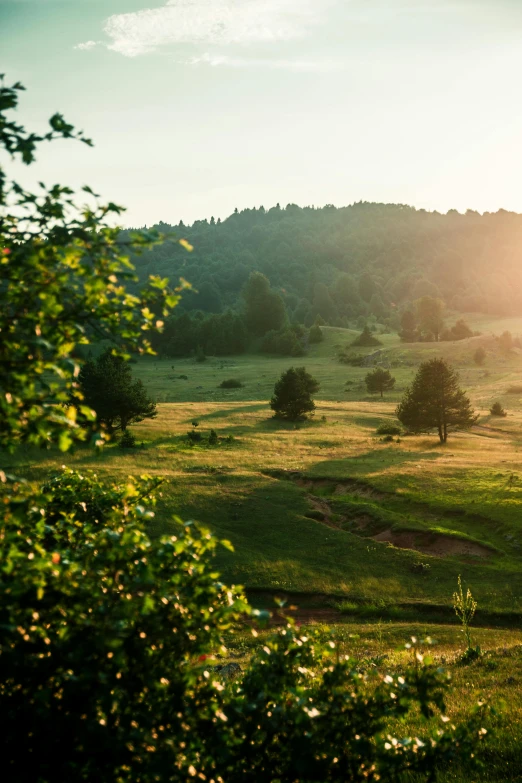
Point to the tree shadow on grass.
(221, 412)
(369, 462)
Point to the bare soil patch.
(433, 544)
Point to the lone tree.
(366, 338)
(435, 400)
(107, 386)
(293, 394)
(379, 380)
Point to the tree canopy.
(293, 394)
(108, 388)
(435, 401)
(379, 380)
(374, 260)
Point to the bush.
(194, 436)
(479, 356)
(127, 440)
(389, 428)
(460, 331)
(200, 354)
(231, 383)
(284, 343)
(497, 410)
(352, 359)
(213, 438)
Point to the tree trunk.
(441, 434)
(381, 394)
(445, 432)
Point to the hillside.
(353, 262)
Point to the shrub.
(284, 343)
(420, 568)
(127, 440)
(460, 331)
(497, 410)
(352, 359)
(465, 607)
(387, 439)
(505, 341)
(231, 383)
(389, 428)
(200, 354)
(213, 438)
(194, 436)
(479, 356)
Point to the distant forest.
(365, 262)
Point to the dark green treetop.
(435, 401)
(293, 394)
(379, 380)
(265, 310)
(107, 387)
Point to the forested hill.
(362, 260)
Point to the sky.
(200, 106)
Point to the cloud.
(86, 45)
(215, 60)
(217, 22)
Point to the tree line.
(366, 260)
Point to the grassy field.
(326, 507)
(367, 537)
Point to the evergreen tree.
(366, 339)
(435, 401)
(265, 310)
(107, 386)
(379, 380)
(293, 394)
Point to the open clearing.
(326, 507)
(365, 537)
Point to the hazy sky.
(199, 106)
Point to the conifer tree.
(293, 394)
(435, 401)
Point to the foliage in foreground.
(108, 633)
(63, 284)
(107, 669)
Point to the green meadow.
(363, 537)
(327, 507)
